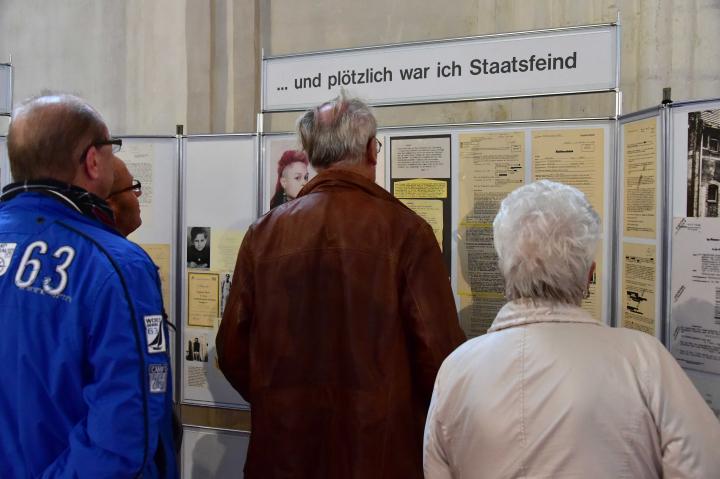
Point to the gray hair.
(545, 235)
(47, 136)
(335, 131)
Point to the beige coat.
(551, 393)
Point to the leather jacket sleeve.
(428, 307)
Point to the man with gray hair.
(339, 317)
(85, 380)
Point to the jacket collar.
(70, 195)
(528, 311)
(332, 178)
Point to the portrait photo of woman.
(292, 175)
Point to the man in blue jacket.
(86, 388)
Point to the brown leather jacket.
(339, 317)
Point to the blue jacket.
(85, 382)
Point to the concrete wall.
(148, 65)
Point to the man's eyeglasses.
(378, 145)
(136, 188)
(115, 142)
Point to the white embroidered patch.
(6, 254)
(155, 334)
(158, 378)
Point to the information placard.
(549, 62)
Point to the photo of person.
(292, 175)
(276, 168)
(225, 291)
(198, 249)
(703, 163)
(197, 349)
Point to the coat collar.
(339, 178)
(528, 311)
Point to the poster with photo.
(288, 170)
(703, 163)
(202, 381)
(198, 249)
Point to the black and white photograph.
(198, 249)
(703, 163)
(197, 349)
(225, 283)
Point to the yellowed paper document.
(421, 188)
(224, 246)
(432, 212)
(203, 299)
(421, 157)
(638, 293)
(640, 157)
(160, 254)
(491, 166)
(140, 161)
(574, 157)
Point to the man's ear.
(371, 152)
(91, 165)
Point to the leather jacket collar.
(341, 178)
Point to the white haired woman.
(551, 392)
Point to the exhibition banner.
(5, 89)
(549, 62)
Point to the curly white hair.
(545, 235)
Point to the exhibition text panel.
(534, 63)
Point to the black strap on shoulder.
(138, 341)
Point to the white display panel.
(220, 201)
(526, 132)
(517, 64)
(694, 162)
(5, 89)
(155, 163)
(210, 453)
